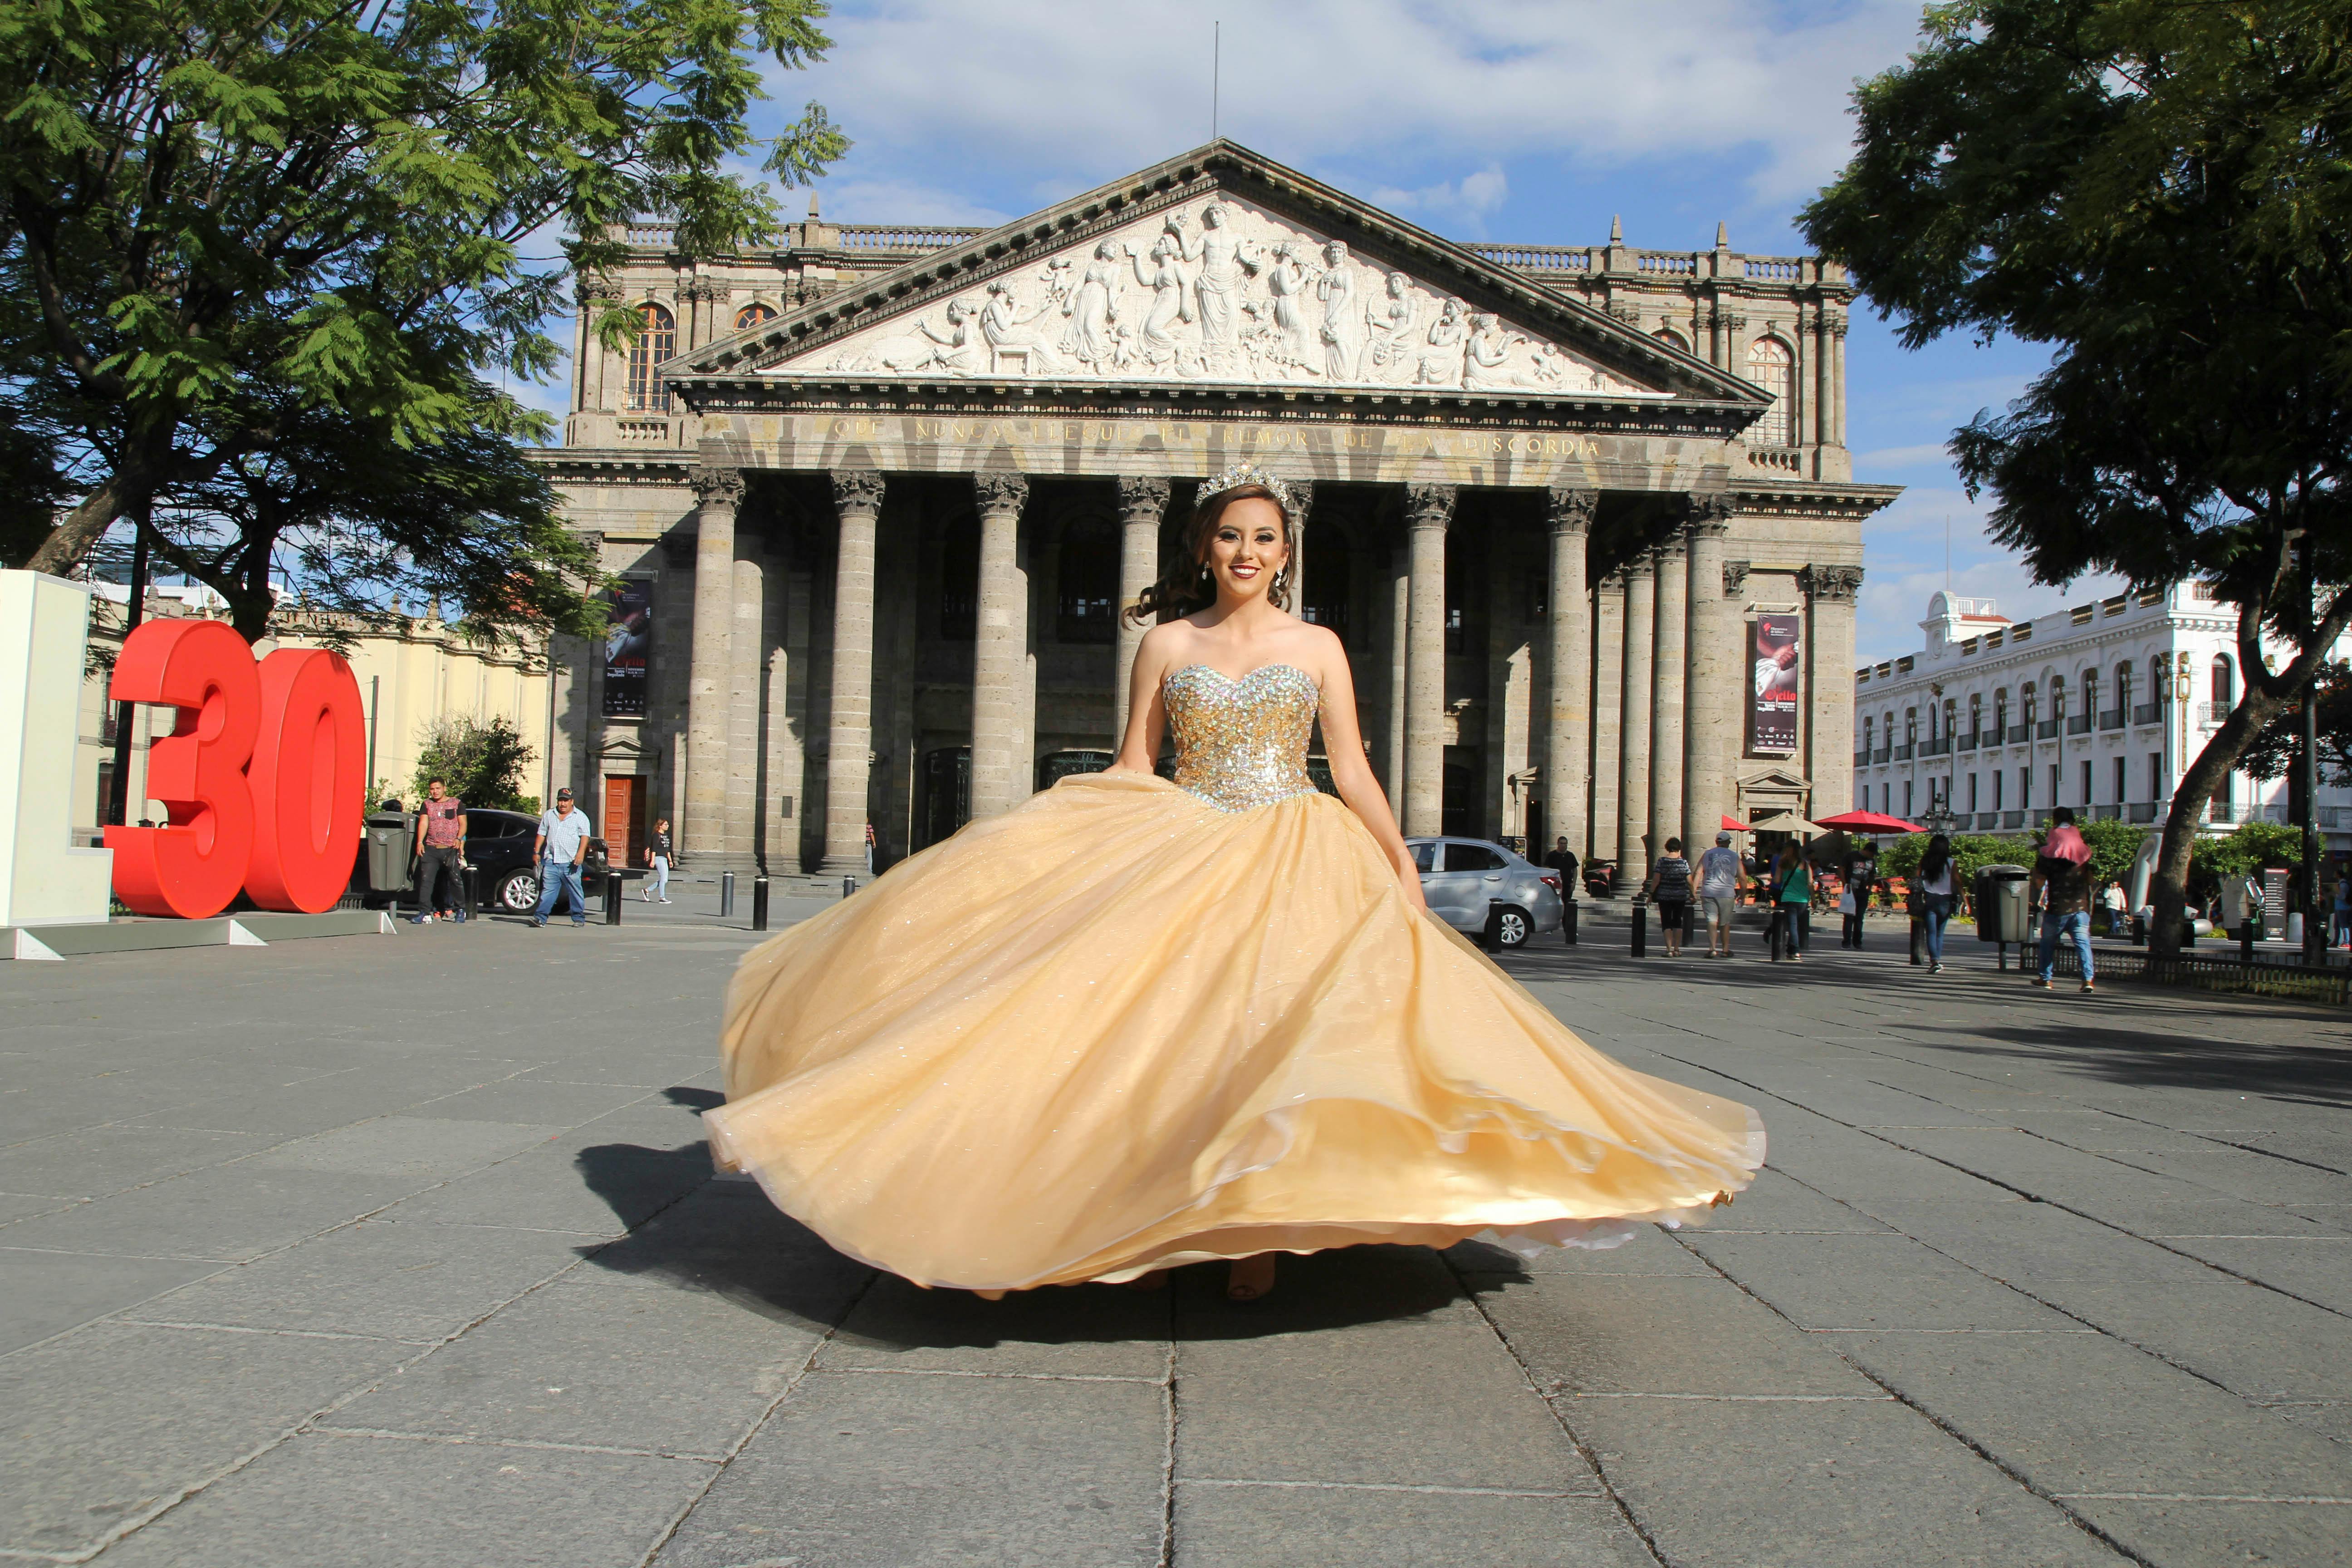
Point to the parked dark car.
(498, 845)
(1600, 878)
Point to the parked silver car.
(1482, 888)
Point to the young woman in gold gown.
(1133, 1024)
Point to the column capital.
(1302, 492)
(1612, 582)
(1708, 515)
(857, 490)
(1665, 550)
(717, 486)
(1001, 491)
(1571, 508)
(1830, 584)
(1637, 568)
(1142, 497)
(1428, 506)
(1734, 578)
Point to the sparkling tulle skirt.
(1116, 1029)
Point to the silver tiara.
(1248, 473)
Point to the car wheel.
(519, 893)
(1512, 926)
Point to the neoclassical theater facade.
(877, 498)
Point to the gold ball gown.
(1134, 1023)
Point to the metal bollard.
(1640, 927)
(2246, 943)
(726, 894)
(1567, 921)
(848, 885)
(758, 903)
(612, 899)
(471, 878)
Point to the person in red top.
(2063, 870)
(440, 856)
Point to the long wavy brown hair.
(1187, 585)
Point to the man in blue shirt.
(561, 845)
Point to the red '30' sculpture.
(263, 775)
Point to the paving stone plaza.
(407, 1251)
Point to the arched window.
(2122, 692)
(2225, 683)
(1910, 726)
(2025, 697)
(1769, 366)
(2000, 710)
(752, 315)
(2057, 703)
(1887, 727)
(2091, 694)
(1869, 731)
(656, 340)
(1087, 581)
(2159, 688)
(1672, 339)
(1951, 717)
(1976, 713)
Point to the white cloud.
(1904, 556)
(1080, 91)
(1467, 202)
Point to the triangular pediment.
(1218, 269)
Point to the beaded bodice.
(1242, 743)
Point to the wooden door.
(624, 832)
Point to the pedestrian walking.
(2062, 872)
(1854, 903)
(2339, 920)
(1669, 889)
(1720, 877)
(561, 845)
(1562, 861)
(440, 856)
(1939, 891)
(659, 857)
(1793, 901)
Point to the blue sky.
(1533, 121)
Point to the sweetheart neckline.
(1240, 679)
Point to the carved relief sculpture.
(1223, 292)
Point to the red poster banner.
(1778, 649)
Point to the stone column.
(849, 741)
(1829, 684)
(1399, 618)
(1669, 648)
(1142, 501)
(1608, 713)
(1716, 674)
(746, 656)
(1568, 733)
(708, 704)
(1000, 649)
(1837, 371)
(1634, 756)
(1428, 509)
(1302, 494)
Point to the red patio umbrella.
(1868, 822)
(1732, 825)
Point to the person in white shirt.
(561, 845)
(1720, 877)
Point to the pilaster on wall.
(719, 493)
(1829, 680)
(1143, 503)
(1428, 509)
(1001, 655)
(1568, 734)
(858, 502)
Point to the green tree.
(225, 222)
(2251, 847)
(480, 763)
(2278, 750)
(2158, 192)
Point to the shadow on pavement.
(692, 1231)
(2309, 1069)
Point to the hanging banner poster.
(1779, 645)
(628, 648)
